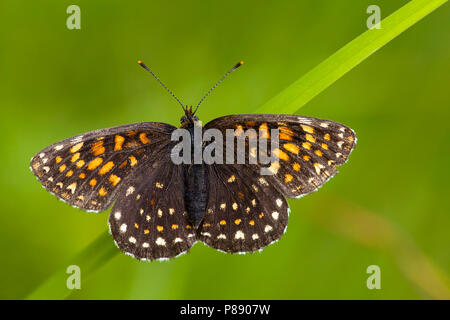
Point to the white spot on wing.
(239, 235)
(72, 187)
(130, 190)
(160, 241)
(279, 202)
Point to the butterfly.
(161, 209)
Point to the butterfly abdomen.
(196, 192)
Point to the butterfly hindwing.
(243, 213)
(149, 220)
(309, 151)
(87, 170)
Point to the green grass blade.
(91, 258)
(288, 101)
(346, 58)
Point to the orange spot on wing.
(82, 175)
(98, 148)
(286, 133)
(93, 182)
(94, 163)
(75, 157)
(143, 137)
(118, 141)
(291, 148)
(296, 166)
(102, 192)
(69, 173)
(62, 168)
(310, 138)
(284, 136)
(307, 128)
(223, 222)
(98, 151)
(114, 179)
(123, 164)
(281, 154)
(79, 164)
(106, 167)
(160, 228)
(131, 133)
(76, 147)
(264, 131)
(58, 159)
(288, 178)
(133, 161)
(306, 145)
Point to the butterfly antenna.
(173, 95)
(240, 63)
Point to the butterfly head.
(189, 118)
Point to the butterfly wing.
(243, 213)
(149, 220)
(87, 170)
(309, 152)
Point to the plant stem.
(91, 258)
(349, 56)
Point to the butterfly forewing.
(87, 170)
(309, 149)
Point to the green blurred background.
(388, 206)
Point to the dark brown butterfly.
(161, 209)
